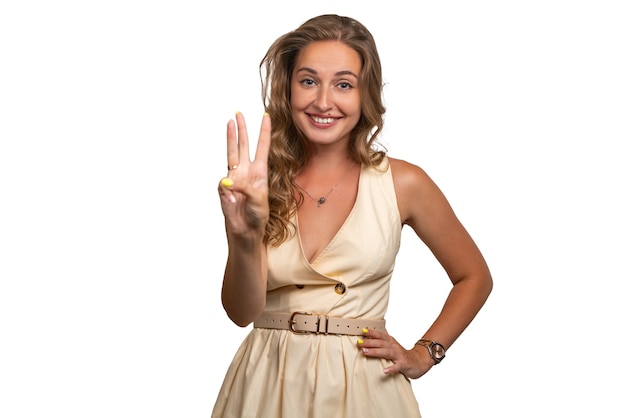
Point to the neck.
(320, 167)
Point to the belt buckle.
(292, 322)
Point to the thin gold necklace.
(322, 199)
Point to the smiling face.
(325, 97)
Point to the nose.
(323, 101)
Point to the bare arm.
(425, 209)
(244, 200)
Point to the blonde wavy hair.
(289, 148)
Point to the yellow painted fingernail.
(359, 342)
(226, 182)
(365, 330)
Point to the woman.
(313, 226)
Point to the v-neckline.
(341, 228)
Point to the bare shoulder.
(409, 178)
(406, 174)
(414, 189)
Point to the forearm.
(245, 282)
(463, 303)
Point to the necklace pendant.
(321, 201)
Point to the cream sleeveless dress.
(276, 373)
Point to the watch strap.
(429, 344)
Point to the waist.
(314, 323)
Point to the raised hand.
(244, 192)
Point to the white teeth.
(322, 120)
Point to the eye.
(307, 82)
(344, 85)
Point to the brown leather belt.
(313, 323)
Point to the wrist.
(436, 351)
(247, 241)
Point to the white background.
(112, 128)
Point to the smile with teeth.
(317, 119)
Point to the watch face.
(438, 351)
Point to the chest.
(319, 223)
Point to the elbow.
(242, 310)
(243, 317)
(240, 322)
(479, 284)
(487, 286)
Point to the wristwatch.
(437, 351)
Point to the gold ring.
(234, 167)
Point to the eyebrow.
(338, 73)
